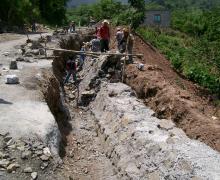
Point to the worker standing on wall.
(126, 44)
(104, 33)
(118, 37)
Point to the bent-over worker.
(126, 44)
(71, 68)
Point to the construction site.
(139, 121)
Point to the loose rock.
(11, 168)
(25, 154)
(41, 51)
(4, 163)
(28, 170)
(46, 151)
(34, 175)
(7, 138)
(44, 158)
(44, 165)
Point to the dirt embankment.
(173, 97)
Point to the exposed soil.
(173, 97)
(84, 156)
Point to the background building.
(160, 18)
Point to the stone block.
(12, 79)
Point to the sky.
(78, 2)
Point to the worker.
(71, 68)
(82, 56)
(126, 44)
(118, 37)
(104, 33)
(72, 27)
(95, 44)
(34, 29)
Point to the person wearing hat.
(126, 44)
(104, 33)
(118, 37)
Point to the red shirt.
(104, 32)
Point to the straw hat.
(105, 21)
(125, 30)
(118, 29)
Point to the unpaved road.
(26, 110)
(27, 124)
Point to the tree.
(53, 11)
(137, 4)
(138, 12)
(18, 12)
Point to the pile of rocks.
(34, 48)
(16, 155)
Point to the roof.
(161, 10)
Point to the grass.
(186, 54)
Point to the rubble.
(28, 170)
(46, 152)
(41, 51)
(22, 59)
(143, 142)
(36, 45)
(34, 175)
(26, 154)
(44, 158)
(4, 163)
(12, 167)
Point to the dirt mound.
(173, 97)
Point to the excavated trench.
(112, 134)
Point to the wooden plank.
(94, 53)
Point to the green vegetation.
(194, 49)
(18, 12)
(109, 9)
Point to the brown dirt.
(172, 96)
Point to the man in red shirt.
(104, 34)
